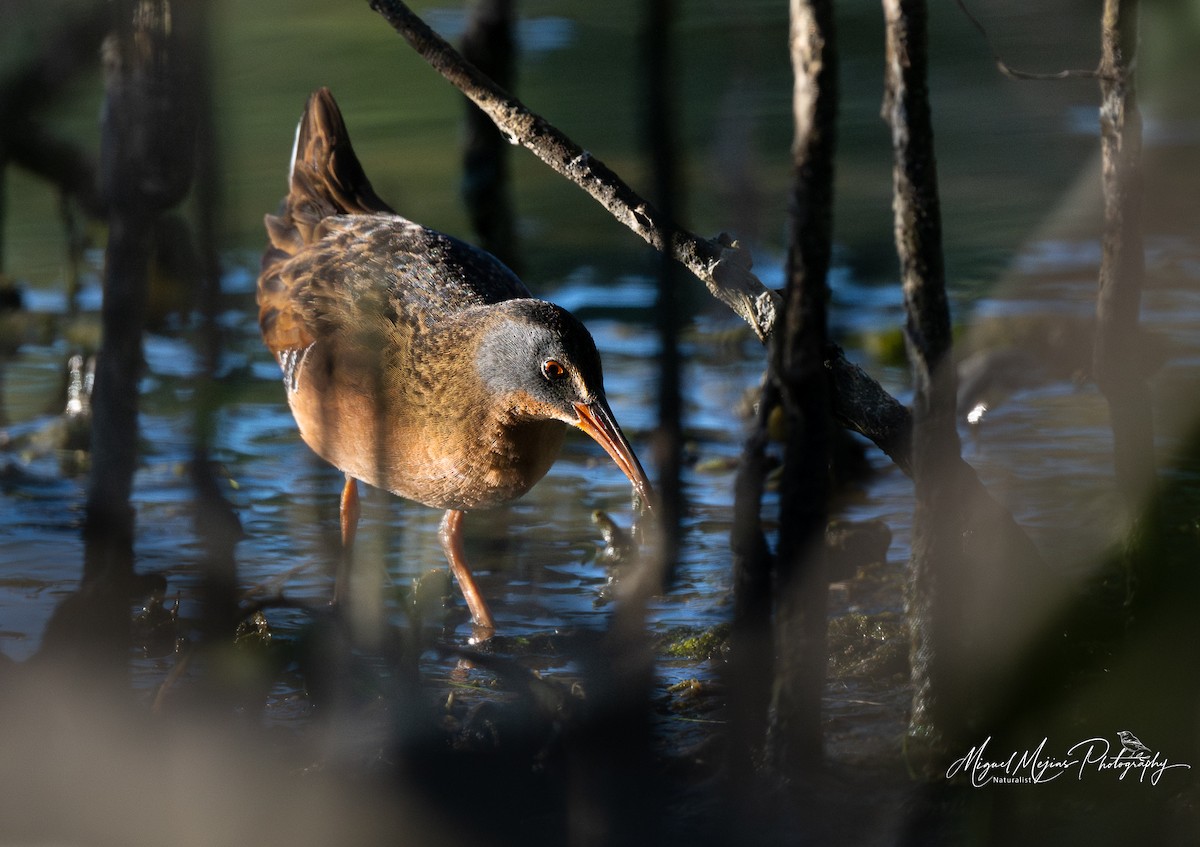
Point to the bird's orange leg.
(349, 514)
(450, 534)
(350, 511)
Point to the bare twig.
(719, 263)
(1011, 72)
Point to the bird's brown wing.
(338, 256)
(325, 180)
(368, 270)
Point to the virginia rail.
(413, 361)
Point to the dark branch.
(719, 263)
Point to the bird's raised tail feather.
(326, 179)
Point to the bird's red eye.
(552, 370)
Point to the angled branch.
(719, 263)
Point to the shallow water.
(1043, 450)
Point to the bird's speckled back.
(335, 243)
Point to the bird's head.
(543, 362)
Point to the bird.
(414, 362)
(1132, 746)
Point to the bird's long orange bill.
(597, 420)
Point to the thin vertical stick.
(936, 581)
(798, 355)
(1116, 362)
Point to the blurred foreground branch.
(146, 167)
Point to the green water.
(1004, 147)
